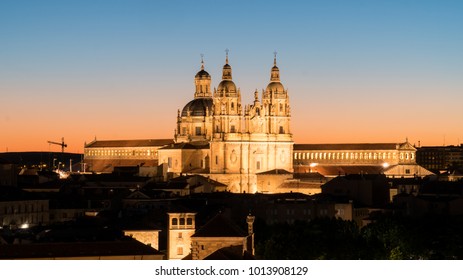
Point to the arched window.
(182, 221)
(174, 221)
(189, 221)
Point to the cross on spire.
(202, 61)
(275, 58)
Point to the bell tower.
(227, 104)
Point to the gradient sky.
(356, 71)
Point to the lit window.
(179, 250)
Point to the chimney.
(250, 220)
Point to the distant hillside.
(40, 158)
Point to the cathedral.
(220, 138)
(247, 147)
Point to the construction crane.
(62, 144)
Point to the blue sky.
(356, 71)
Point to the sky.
(356, 71)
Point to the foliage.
(390, 237)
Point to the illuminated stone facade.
(220, 138)
(391, 159)
(181, 226)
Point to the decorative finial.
(202, 61)
(226, 59)
(275, 58)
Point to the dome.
(202, 74)
(198, 107)
(275, 87)
(227, 86)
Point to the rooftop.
(129, 143)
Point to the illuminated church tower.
(194, 122)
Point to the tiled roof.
(107, 165)
(230, 253)
(352, 146)
(129, 143)
(75, 249)
(186, 146)
(274, 172)
(220, 226)
(335, 170)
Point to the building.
(181, 226)
(104, 155)
(129, 249)
(440, 158)
(331, 160)
(8, 173)
(216, 136)
(219, 137)
(220, 238)
(248, 148)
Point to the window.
(179, 250)
(258, 165)
(183, 130)
(282, 131)
(169, 162)
(407, 171)
(180, 235)
(216, 159)
(233, 106)
(189, 221)
(182, 221)
(174, 221)
(198, 130)
(232, 129)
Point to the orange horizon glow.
(356, 72)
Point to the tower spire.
(226, 56)
(202, 61)
(275, 73)
(226, 73)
